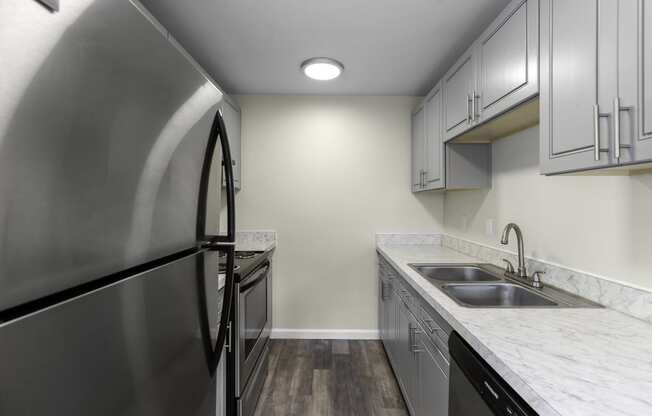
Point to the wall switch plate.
(53, 5)
(490, 227)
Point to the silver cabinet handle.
(473, 106)
(413, 331)
(617, 128)
(228, 337)
(428, 324)
(596, 131)
(617, 110)
(384, 290)
(468, 108)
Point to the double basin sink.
(486, 286)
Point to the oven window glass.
(255, 301)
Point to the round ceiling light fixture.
(322, 69)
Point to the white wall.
(598, 224)
(328, 173)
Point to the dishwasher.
(476, 389)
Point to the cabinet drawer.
(442, 358)
(434, 327)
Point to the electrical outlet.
(490, 227)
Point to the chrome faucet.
(521, 272)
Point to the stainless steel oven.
(252, 325)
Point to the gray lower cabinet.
(433, 379)
(415, 342)
(593, 111)
(405, 358)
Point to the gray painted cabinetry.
(498, 72)
(434, 177)
(459, 95)
(439, 166)
(233, 121)
(418, 148)
(427, 145)
(594, 89)
(507, 56)
(416, 340)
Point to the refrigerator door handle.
(218, 131)
(224, 243)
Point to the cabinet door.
(382, 311)
(577, 38)
(392, 325)
(232, 120)
(635, 81)
(433, 380)
(434, 146)
(508, 59)
(418, 148)
(406, 364)
(459, 88)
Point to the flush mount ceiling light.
(322, 69)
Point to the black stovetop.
(245, 262)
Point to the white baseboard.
(283, 333)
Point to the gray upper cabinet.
(434, 177)
(593, 89)
(232, 120)
(459, 95)
(418, 149)
(508, 59)
(574, 124)
(635, 81)
(497, 73)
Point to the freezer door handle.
(212, 351)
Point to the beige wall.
(597, 224)
(327, 173)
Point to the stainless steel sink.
(507, 295)
(451, 273)
(478, 285)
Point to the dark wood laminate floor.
(329, 378)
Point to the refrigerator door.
(133, 348)
(103, 131)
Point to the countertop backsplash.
(255, 240)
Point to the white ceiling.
(388, 47)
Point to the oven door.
(253, 321)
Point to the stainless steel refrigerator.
(110, 195)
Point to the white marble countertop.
(561, 361)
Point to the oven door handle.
(261, 273)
